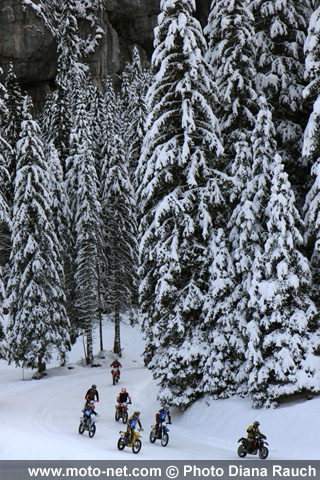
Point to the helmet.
(256, 424)
(123, 390)
(166, 407)
(136, 414)
(115, 360)
(94, 386)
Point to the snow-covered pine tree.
(283, 339)
(231, 55)
(57, 116)
(311, 151)
(83, 190)
(96, 118)
(118, 205)
(249, 234)
(134, 103)
(109, 117)
(38, 320)
(60, 209)
(5, 217)
(180, 198)
(220, 359)
(90, 12)
(12, 126)
(281, 28)
(311, 140)
(2, 298)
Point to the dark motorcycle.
(124, 441)
(87, 421)
(121, 412)
(252, 447)
(115, 376)
(160, 433)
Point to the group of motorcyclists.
(163, 415)
(124, 399)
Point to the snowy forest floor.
(40, 418)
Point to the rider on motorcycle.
(116, 366)
(89, 409)
(123, 397)
(131, 425)
(253, 431)
(162, 415)
(92, 394)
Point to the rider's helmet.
(166, 407)
(136, 414)
(123, 390)
(115, 360)
(94, 386)
(256, 423)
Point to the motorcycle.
(115, 376)
(124, 441)
(160, 433)
(87, 421)
(121, 412)
(253, 447)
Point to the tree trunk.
(89, 358)
(41, 364)
(100, 311)
(117, 344)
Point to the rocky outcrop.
(28, 44)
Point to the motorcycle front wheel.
(242, 451)
(164, 439)
(125, 417)
(92, 430)
(81, 428)
(116, 415)
(136, 447)
(121, 443)
(263, 453)
(114, 379)
(152, 437)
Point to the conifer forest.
(186, 193)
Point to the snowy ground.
(40, 418)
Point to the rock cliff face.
(28, 44)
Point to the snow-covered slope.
(40, 418)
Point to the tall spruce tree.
(282, 340)
(220, 358)
(180, 195)
(231, 54)
(134, 103)
(12, 125)
(281, 29)
(5, 179)
(118, 204)
(311, 151)
(38, 319)
(83, 188)
(5, 217)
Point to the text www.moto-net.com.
(170, 472)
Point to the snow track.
(40, 418)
